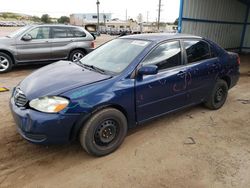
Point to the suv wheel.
(104, 132)
(5, 63)
(218, 96)
(76, 55)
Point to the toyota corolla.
(120, 85)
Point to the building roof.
(157, 37)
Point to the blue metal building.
(227, 22)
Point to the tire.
(6, 63)
(104, 132)
(76, 55)
(218, 96)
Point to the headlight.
(49, 104)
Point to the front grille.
(19, 98)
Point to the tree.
(63, 20)
(46, 18)
(35, 19)
(5, 15)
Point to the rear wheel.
(76, 55)
(104, 132)
(6, 63)
(218, 96)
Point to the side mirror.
(27, 37)
(148, 70)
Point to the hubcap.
(219, 95)
(77, 57)
(4, 63)
(106, 132)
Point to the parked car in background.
(120, 85)
(44, 43)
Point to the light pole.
(159, 15)
(97, 4)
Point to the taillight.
(92, 44)
(238, 60)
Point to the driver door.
(36, 49)
(167, 90)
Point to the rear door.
(62, 42)
(202, 67)
(37, 49)
(165, 91)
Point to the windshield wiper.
(92, 67)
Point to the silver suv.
(43, 43)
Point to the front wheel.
(6, 63)
(104, 132)
(218, 96)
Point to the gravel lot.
(192, 148)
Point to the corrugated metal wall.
(226, 35)
(219, 10)
(247, 35)
(220, 20)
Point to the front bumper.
(43, 128)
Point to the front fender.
(118, 94)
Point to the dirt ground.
(194, 148)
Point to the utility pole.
(147, 16)
(126, 14)
(104, 18)
(97, 4)
(159, 15)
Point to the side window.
(39, 33)
(197, 50)
(77, 32)
(60, 32)
(165, 56)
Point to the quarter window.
(165, 56)
(197, 51)
(40, 33)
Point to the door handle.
(181, 73)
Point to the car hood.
(6, 40)
(57, 78)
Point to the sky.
(57, 8)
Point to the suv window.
(77, 32)
(197, 50)
(60, 32)
(165, 56)
(40, 33)
(67, 32)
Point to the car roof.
(158, 37)
(53, 25)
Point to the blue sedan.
(120, 85)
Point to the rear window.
(197, 50)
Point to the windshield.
(115, 55)
(18, 32)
